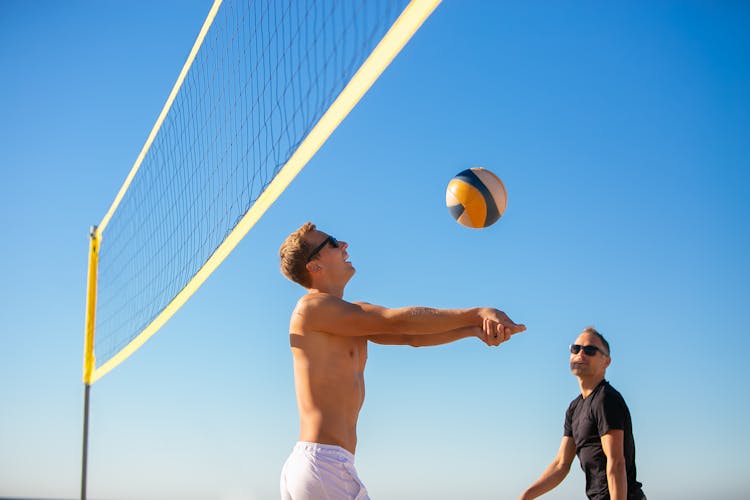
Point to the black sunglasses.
(333, 241)
(588, 350)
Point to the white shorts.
(321, 472)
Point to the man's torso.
(329, 381)
(586, 421)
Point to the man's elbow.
(413, 341)
(563, 467)
(615, 465)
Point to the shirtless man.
(328, 338)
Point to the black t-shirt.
(586, 421)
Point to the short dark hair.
(593, 331)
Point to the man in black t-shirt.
(597, 428)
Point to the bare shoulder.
(312, 308)
(321, 312)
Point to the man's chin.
(351, 272)
(577, 369)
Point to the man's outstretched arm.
(326, 313)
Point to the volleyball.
(476, 198)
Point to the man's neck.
(328, 288)
(588, 384)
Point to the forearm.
(549, 479)
(418, 321)
(440, 338)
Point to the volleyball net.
(264, 86)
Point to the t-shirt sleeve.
(568, 427)
(610, 414)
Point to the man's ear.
(312, 267)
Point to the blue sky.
(621, 131)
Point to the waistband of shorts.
(325, 448)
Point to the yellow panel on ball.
(476, 198)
